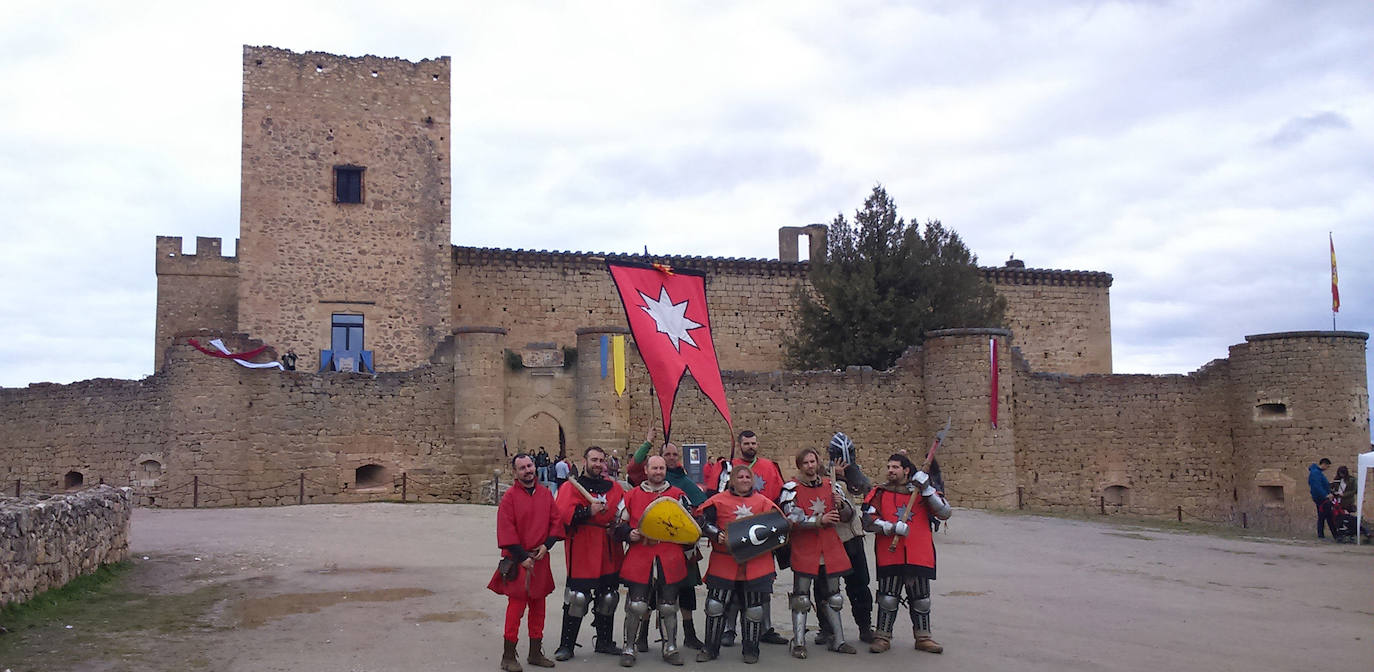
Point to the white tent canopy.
(1366, 462)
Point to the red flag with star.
(666, 309)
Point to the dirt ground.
(402, 587)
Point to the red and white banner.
(666, 309)
(240, 357)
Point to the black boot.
(689, 634)
(604, 624)
(567, 641)
(750, 634)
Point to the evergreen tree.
(882, 286)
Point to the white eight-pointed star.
(818, 507)
(743, 511)
(670, 318)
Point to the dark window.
(74, 479)
(369, 476)
(348, 184)
(346, 333)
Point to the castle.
(344, 260)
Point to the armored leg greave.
(636, 611)
(717, 605)
(667, 623)
(799, 601)
(889, 598)
(752, 628)
(918, 603)
(603, 619)
(829, 611)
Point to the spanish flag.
(1335, 292)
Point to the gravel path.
(402, 587)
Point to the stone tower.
(345, 212)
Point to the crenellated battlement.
(1046, 276)
(491, 256)
(414, 90)
(209, 259)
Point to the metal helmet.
(841, 448)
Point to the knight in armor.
(727, 581)
(815, 506)
(687, 592)
(593, 555)
(677, 477)
(650, 567)
(848, 475)
(767, 480)
(911, 564)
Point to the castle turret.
(479, 396)
(978, 459)
(1296, 397)
(194, 291)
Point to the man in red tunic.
(645, 558)
(526, 528)
(767, 480)
(726, 580)
(815, 505)
(912, 563)
(592, 553)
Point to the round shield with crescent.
(666, 519)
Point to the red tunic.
(730, 506)
(591, 552)
(765, 471)
(710, 476)
(810, 546)
(527, 519)
(639, 558)
(918, 547)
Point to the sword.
(915, 491)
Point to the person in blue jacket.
(1321, 495)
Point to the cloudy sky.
(1199, 152)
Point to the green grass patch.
(112, 617)
(52, 605)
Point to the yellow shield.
(667, 520)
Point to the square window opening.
(346, 333)
(348, 184)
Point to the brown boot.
(536, 657)
(880, 644)
(925, 643)
(509, 663)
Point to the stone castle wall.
(208, 432)
(47, 541)
(547, 296)
(1211, 442)
(1062, 318)
(1143, 444)
(303, 256)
